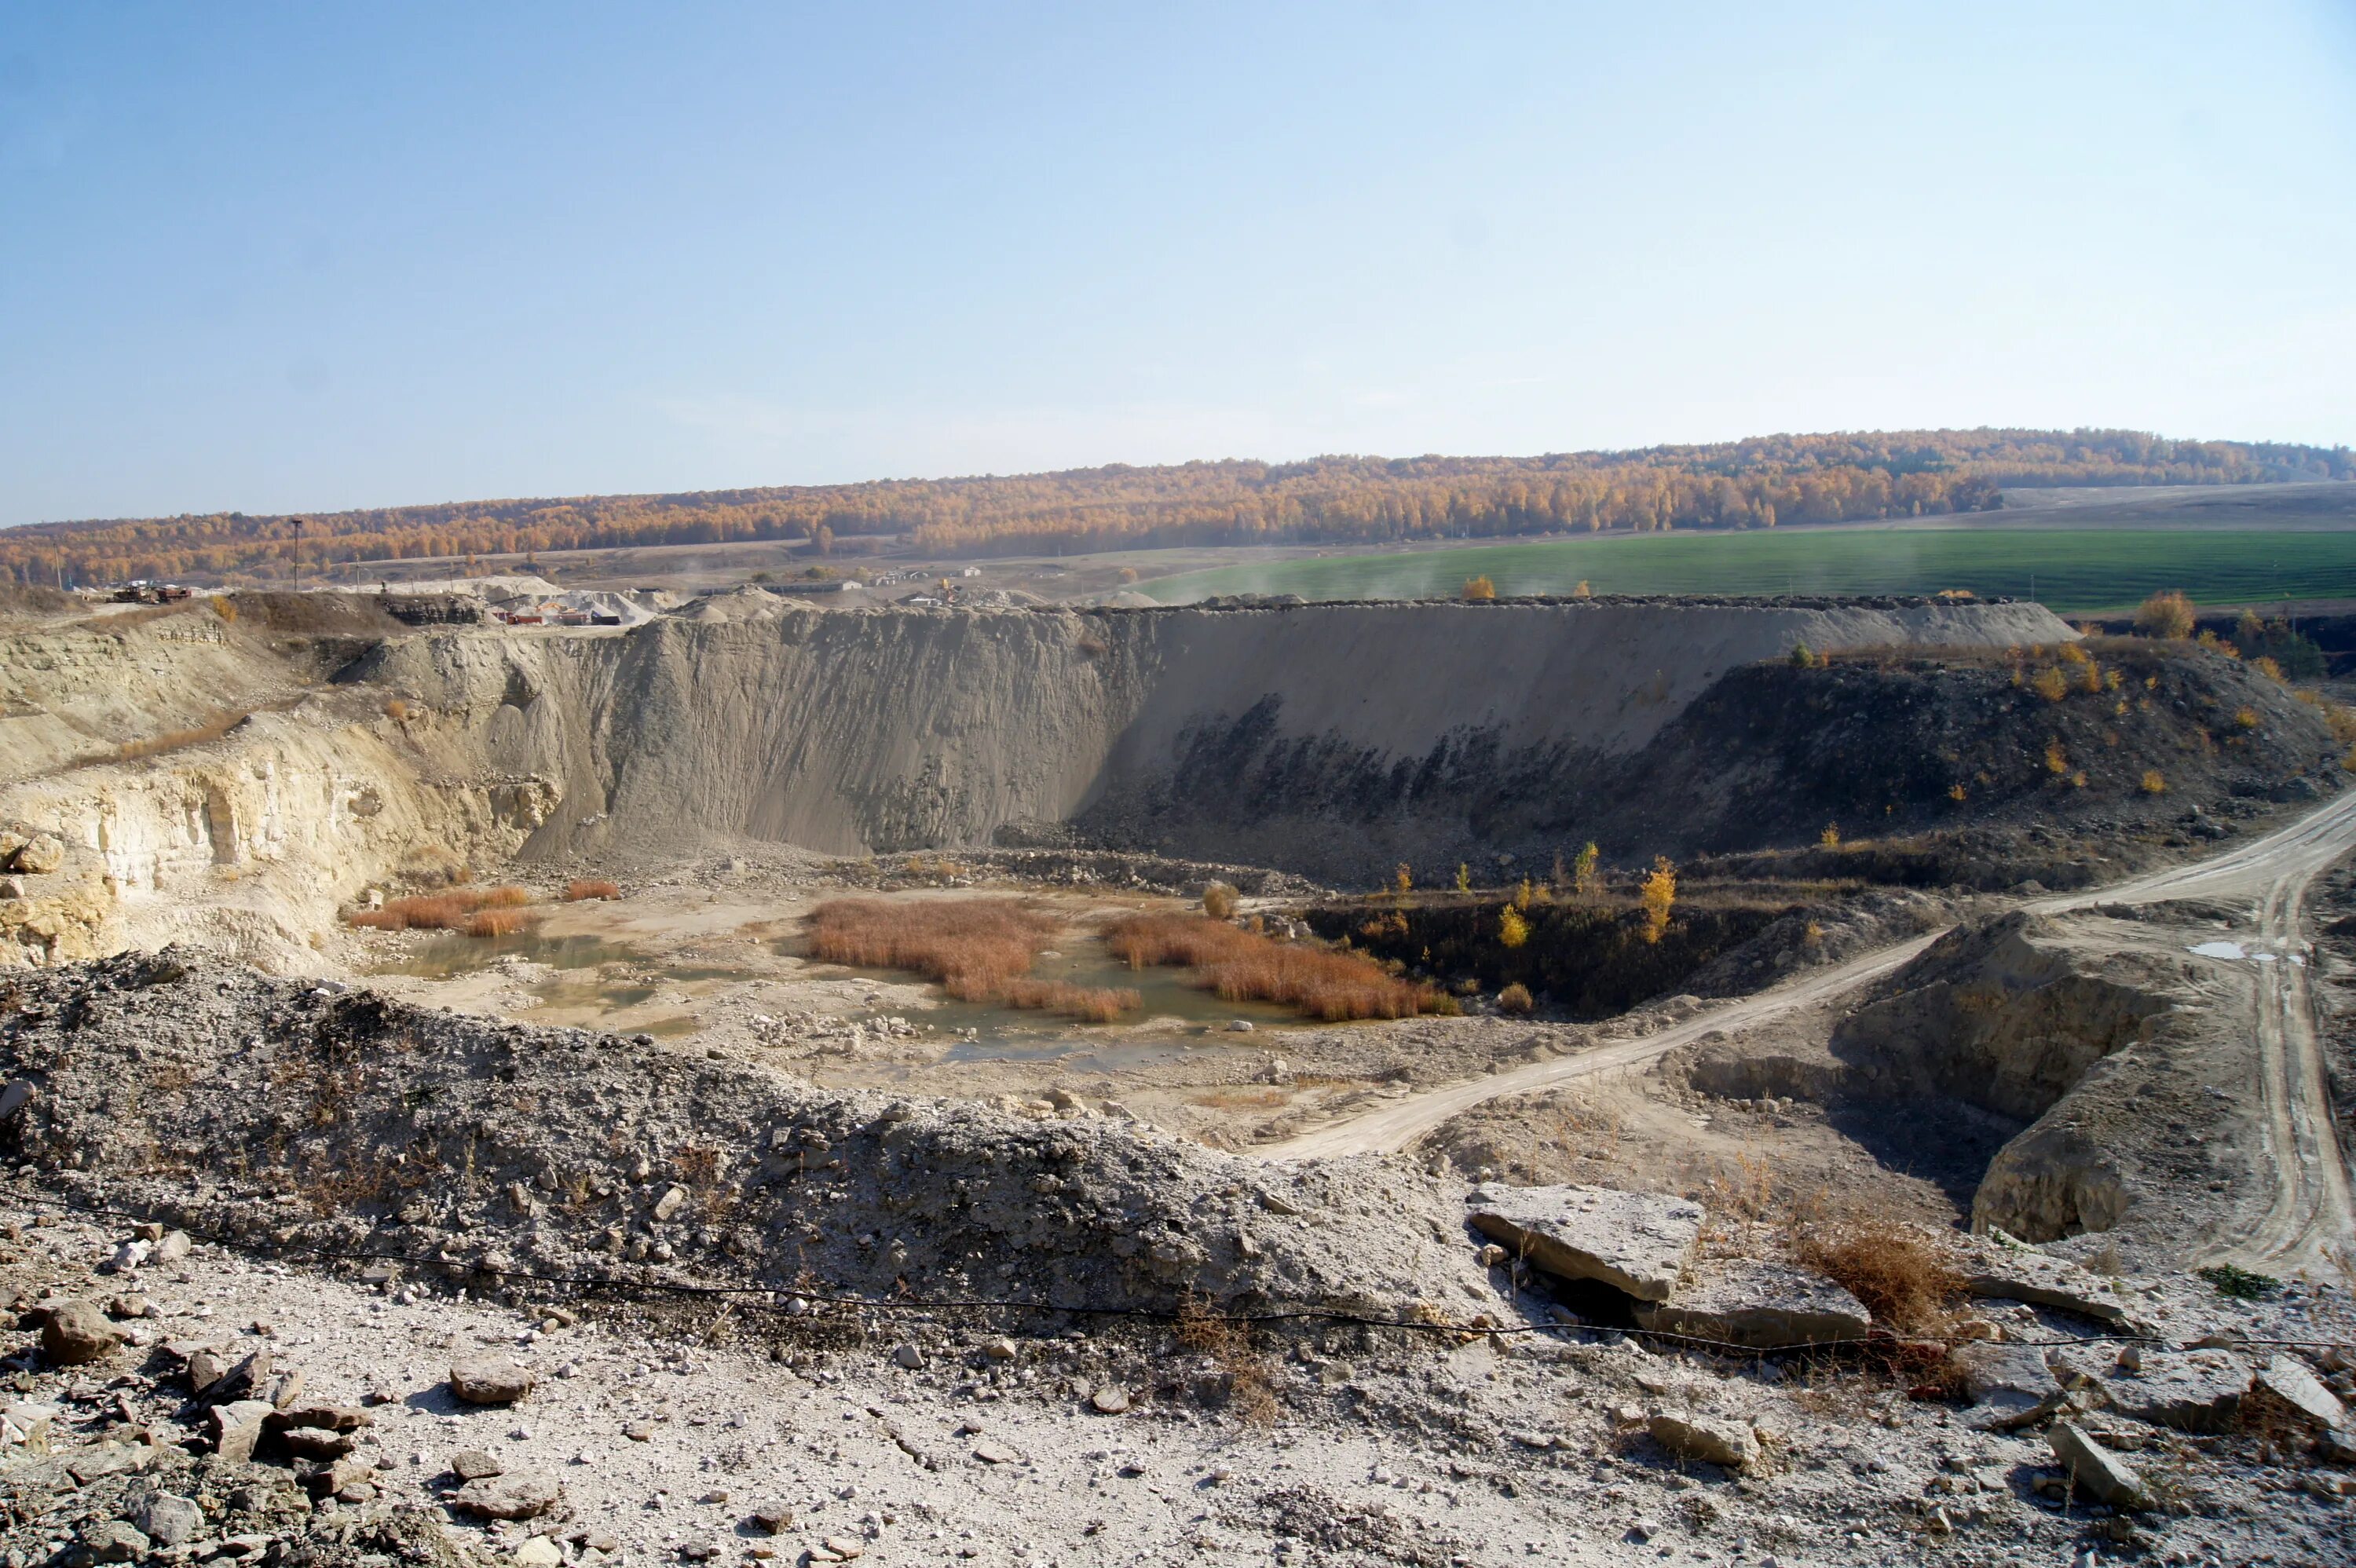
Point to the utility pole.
(298, 555)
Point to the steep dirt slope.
(1328, 738)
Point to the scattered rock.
(1637, 1241)
(537, 1551)
(236, 1427)
(170, 1521)
(115, 1542)
(773, 1518)
(40, 857)
(673, 1198)
(1764, 1305)
(2106, 1477)
(2287, 1381)
(490, 1380)
(525, 1494)
(908, 1355)
(990, 1453)
(1111, 1400)
(474, 1465)
(2196, 1391)
(2010, 1385)
(1995, 1271)
(316, 1443)
(1705, 1439)
(325, 1417)
(74, 1332)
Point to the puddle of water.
(443, 954)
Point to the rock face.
(1764, 1305)
(848, 733)
(2110, 1478)
(76, 1331)
(1635, 1241)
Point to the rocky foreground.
(303, 1277)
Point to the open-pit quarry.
(1745, 1080)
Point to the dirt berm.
(2094, 1045)
(286, 1115)
(1329, 740)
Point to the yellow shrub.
(2247, 718)
(1957, 794)
(2052, 684)
(2267, 667)
(2072, 654)
(2168, 614)
(1479, 588)
(1830, 836)
(2153, 783)
(1512, 929)
(2056, 760)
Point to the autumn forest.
(1754, 483)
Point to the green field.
(2068, 569)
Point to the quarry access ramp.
(2311, 1222)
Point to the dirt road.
(2312, 1221)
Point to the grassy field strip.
(2070, 570)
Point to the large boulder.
(73, 1332)
(1634, 1241)
(1763, 1306)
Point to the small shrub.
(1583, 878)
(2051, 683)
(1478, 590)
(1957, 794)
(2078, 779)
(1220, 901)
(225, 607)
(972, 947)
(2057, 761)
(2240, 1284)
(2247, 718)
(2089, 679)
(1905, 1280)
(397, 709)
(1464, 878)
(2153, 783)
(1583, 590)
(1515, 999)
(1830, 837)
(2073, 654)
(1803, 656)
(2168, 614)
(580, 888)
(1512, 929)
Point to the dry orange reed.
(580, 888)
(1238, 964)
(443, 911)
(980, 950)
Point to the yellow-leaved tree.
(1659, 895)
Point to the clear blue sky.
(307, 256)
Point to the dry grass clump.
(500, 921)
(580, 888)
(1089, 1004)
(443, 912)
(1903, 1277)
(974, 947)
(1240, 964)
(1228, 1344)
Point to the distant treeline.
(1754, 484)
